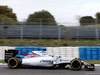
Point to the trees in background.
(41, 17)
(5, 10)
(7, 17)
(87, 20)
(4, 20)
(98, 17)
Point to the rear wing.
(9, 54)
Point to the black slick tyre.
(13, 63)
(76, 64)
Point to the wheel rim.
(76, 64)
(12, 63)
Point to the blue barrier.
(89, 53)
(82, 53)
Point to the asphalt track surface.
(4, 70)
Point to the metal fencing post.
(77, 33)
(97, 33)
(59, 33)
(21, 33)
(40, 29)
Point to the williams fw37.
(36, 59)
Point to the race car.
(34, 58)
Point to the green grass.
(2, 61)
(48, 43)
(92, 61)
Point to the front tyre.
(76, 64)
(13, 63)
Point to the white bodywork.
(45, 61)
(38, 61)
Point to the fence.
(38, 32)
(84, 32)
(41, 29)
(49, 32)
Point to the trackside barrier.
(89, 53)
(63, 51)
(85, 53)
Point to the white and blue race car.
(36, 59)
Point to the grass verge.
(92, 61)
(2, 61)
(48, 42)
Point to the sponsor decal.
(63, 60)
(46, 61)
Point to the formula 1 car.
(35, 59)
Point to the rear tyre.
(13, 63)
(76, 64)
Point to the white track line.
(3, 63)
